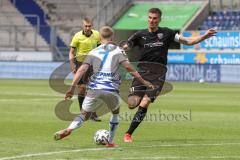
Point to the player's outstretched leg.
(76, 123)
(137, 119)
(62, 133)
(111, 145)
(113, 125)
(133, 101)
(81, 97)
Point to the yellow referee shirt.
(84, 44)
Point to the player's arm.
(71, 59)
(135, 74)
(194, 40)
(130, 43)
(80, 72)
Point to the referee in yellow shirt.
(82, 43)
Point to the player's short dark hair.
(87, 19)
(155, 10)
(106, 32)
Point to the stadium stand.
(54, 20)
(220, 5)
(67, 15)
(16, 32)
(31, 7)
(223, 15)
(68, 12)
(222, 20)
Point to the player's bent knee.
(85, 115)
(131, 107)
(145, 101)
(133, 102)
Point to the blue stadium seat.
(222, 20)
(32, 8)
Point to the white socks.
(113, 124)
(77, 122)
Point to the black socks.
(137, 119)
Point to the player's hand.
(149, 84)
(74, 70)
(211, 32)
(70, 93)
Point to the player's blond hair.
(87, 19)
(106, 32)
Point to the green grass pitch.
(194, 121)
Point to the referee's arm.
(71, 59)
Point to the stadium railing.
(110, 12)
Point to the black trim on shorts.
(140, 90)
(85, 78)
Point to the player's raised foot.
(62, 133)
(111, 145)
(127, 138)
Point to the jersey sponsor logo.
(160, 35)
(144, 38)
(155, 44)
(105, 74)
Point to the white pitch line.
(34, 99)
(100, 149)
(182, 157)
(33, 94)
(164, 157)
(57, 152)
(29, 99)
(189, 144)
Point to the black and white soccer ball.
(101, 137)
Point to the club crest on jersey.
(160, 35)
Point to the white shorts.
(99, 100)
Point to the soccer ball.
(201, 80)
(101, 137)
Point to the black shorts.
(152, 74)
(85, 78)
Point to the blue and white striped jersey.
(105, 61)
